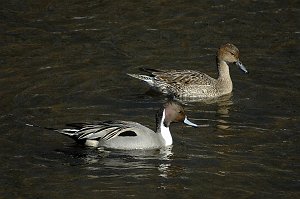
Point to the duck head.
(174, 112)
(230, 54)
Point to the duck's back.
(184, 83)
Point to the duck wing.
(105, 130)
(181, 77)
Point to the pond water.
(66, 61)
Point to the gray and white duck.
(127, 135)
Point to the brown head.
(174, 112)
(230, 54)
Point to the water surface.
(65, 62)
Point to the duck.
(194, 84)
(128, 135)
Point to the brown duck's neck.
(223, 69)
(224, 82)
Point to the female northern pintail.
(128, 135)
(194, 84)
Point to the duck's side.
(180, 83)
(137, 136)
(124, 135)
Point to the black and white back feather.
(103, 130)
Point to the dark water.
(66, 61)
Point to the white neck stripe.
(165, 131)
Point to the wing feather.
(183, 77)
(102, 130)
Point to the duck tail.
(67, 132)
(145, 78)
(41, 127)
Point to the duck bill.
(188, 122)
(241, 66)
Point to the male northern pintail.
(128, 135)
(194, 84)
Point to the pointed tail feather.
(145, 78)
(41, 127)
(67, 132)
